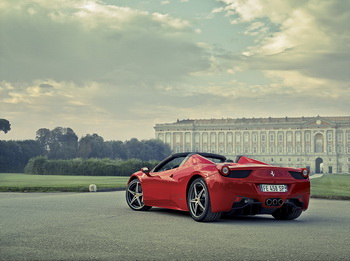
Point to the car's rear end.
(254, 188)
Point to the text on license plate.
(273, 188)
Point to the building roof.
(332, 120)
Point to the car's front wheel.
(134, 196)
(198, 201)
(287, 213)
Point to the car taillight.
(225, 171)
(305, 173)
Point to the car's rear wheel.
(134, 196)
(287, 213)
(198, 201)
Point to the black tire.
(198, 202)
(287, 213)
(134, 196)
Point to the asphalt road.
(100, 226)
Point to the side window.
(171, 164)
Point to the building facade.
(322, 144)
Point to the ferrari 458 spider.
(208, 185)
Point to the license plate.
(273, 188)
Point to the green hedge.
(86, 167)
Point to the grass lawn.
(331, 186)
(50, 183)
(328, 186)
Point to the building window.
(329, 149)
(205, 137)
(263, 150)
(280, 159)
(271, 159)
(289, 149)
(307, 136)
(340, 169)
(348, 136)
(254, 150)
(188, 137)
(255, 137)
(221, 149)
(289, 137)
(246, 137)
(213, 137)
(280, 137)
(280, 149)
(329, 136)
(229, 137)
(177, 149)
(177, 137)
(271, 150)
(221, 137)
(307, 149)
(196, 137)
(168, 138)
(298, 137)
(238, 149)
(298, 149)
(246, 150)
(212, 149)
(238, 137)
(340, 149)
(272, 137)
(348, 149)
(263, 137)
(340, 137)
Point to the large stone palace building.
(322, 144)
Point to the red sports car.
(208, 185)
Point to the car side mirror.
(145, 170)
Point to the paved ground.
(100, 226)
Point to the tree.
(59, 143)
(116, 150)
(92, 146)
(14, 155)
(5, 125)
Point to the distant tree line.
(63, 144)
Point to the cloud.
(310, 37)
(91, 41)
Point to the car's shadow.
(224, 218)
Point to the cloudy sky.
(118, 67)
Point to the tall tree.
(5, 125)
(92, 146)
(59, 143)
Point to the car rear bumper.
(229, 194)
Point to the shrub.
(86, 167)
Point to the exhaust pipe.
(274, 202)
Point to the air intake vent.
(296, 175)
(239, 174)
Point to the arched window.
(319, 143)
